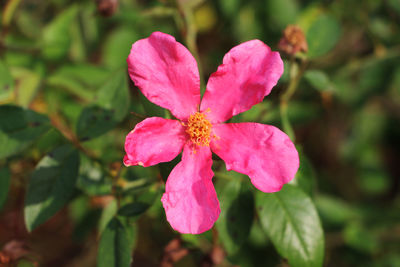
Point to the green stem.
(295, 77)
(190, 36)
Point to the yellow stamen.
(199, 129)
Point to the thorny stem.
(71, 137)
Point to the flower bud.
(107, 7)
(293, 40)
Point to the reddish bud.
(293, 40)
(107, 8)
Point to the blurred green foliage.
(67, 104)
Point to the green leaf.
(111, 106)
(305, 176)
(358, 237)
(335, 211)
(133, 209)
(322, 35)
(319, 80)
(6, 82)
(116, 245)
(4, 185)
(51, 186)
(19, 128)
(291, 221)
(107, 215)
(236, 218)
(246, 24)
(27, 85)
(118, 45)
(281, 12)
(114, 95)
(229, 7)
(56, 35)
(394, 5)
(92, 179)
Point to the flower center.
(199, 129)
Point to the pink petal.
(190, 200)
(166, 73)
(154, 140)
(262, 152)
(248, 73)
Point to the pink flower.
(167, 74)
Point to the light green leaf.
(362, 239)
(51, 185)
(335, 211)
(19, 128)
(6, 82)
(116, 245)
(322, 35)
(56, 35)
(118, 45)
(246, 25)
(27, 85)
(292, 223)
(4, 185)
(92, 179)
(111, 106)
(236, 218)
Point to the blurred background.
(66, 98)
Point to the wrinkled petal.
(190, 200)
(166, 73)
(263, 152)
(248, 73)
(154, 140)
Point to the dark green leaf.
(4, 185)
(236, 218)
(111, 106)
(291, 221)
(133, 209)
(322, 35)
(51, 185)
(116, 245)
(19, 128)
(94, 121)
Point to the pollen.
(199, 128)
